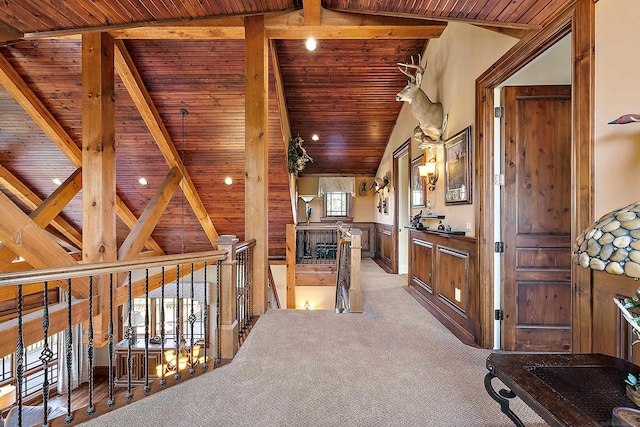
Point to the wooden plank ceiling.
(343, 91)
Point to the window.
(337, 205)
(170, 317)
(33, 368)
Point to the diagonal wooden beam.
(8, 33)
(25, 238)
(24, 193)
(342, 25)
(134, 242)
(28, 100)
(48, 210)
(141, 98)
(312, 12)
(285, 127)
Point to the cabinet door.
(154, 360)
(422, 264)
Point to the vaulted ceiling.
(190, 56)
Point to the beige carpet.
(393, 365)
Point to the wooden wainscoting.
(443, 278)
(384, 247)
(611, 334)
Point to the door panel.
(537, 218)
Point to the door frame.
(404, 148)
(578, 18)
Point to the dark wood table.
(564, 389)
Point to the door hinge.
(499, 247)
(498, 179)
(498, 112)
(498, 314)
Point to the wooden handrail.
(245, 245)
(94, 269)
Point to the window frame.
(333, 218)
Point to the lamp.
(7, 396)
(612, 244)
(430, 171)
(307, 200)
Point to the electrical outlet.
(458, 296)
(467, 225)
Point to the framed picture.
(418, 189)
(457, 168)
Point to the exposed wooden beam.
(141, 98)
(134, 242)
(342, 25)
(8, 33)
(48, 210)
(256, 148)
(25, 238)
(21, 92)
(211, 29)
(312, 12)
(285, 127)
(441, 19)
(20, 190)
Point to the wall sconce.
(430, 171)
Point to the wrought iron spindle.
(177, 375)
(129, 336)
(218, 319)
(205, 316)
(110, 402)
(248, 290)
(239, 292)
(192, 321)
(20, 356)
(90, 409)
(69, 418)
(46, 355)
(163, 382)
(147, 388)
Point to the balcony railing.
(221, 280)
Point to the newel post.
(228, 291)
(355, 292)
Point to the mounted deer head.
(429, 114)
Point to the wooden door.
(537, 218)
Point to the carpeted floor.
(393, 365)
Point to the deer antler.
(417, 67)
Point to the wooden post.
(99, 165)
(228, 291)
(291, 265)
(355, 292)
(257, 156)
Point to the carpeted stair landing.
(393, 365)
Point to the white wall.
(617, 92)
(454, 61)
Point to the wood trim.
(576, 17)
(403, 149)
(380, 233)
(312, 12)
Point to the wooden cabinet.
(384, 246)
(443, 277)
(138, 365)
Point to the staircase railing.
(348, 278)
(244, 279)
(210, 276)
(274, 300)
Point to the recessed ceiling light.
(315, 137)
(57, 181)
(311, 44)
(143, 181)
(228, 180)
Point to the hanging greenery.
(298, 156)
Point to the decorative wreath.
(298, 156)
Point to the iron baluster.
(192, 320)
(178, 304)
(129, 336)
(163, 382)
(205, 366)
(69, 418)
(110, 401)
(20, 356)
(91, 409)
(217, 343)
(147, 388)
(47, 355)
